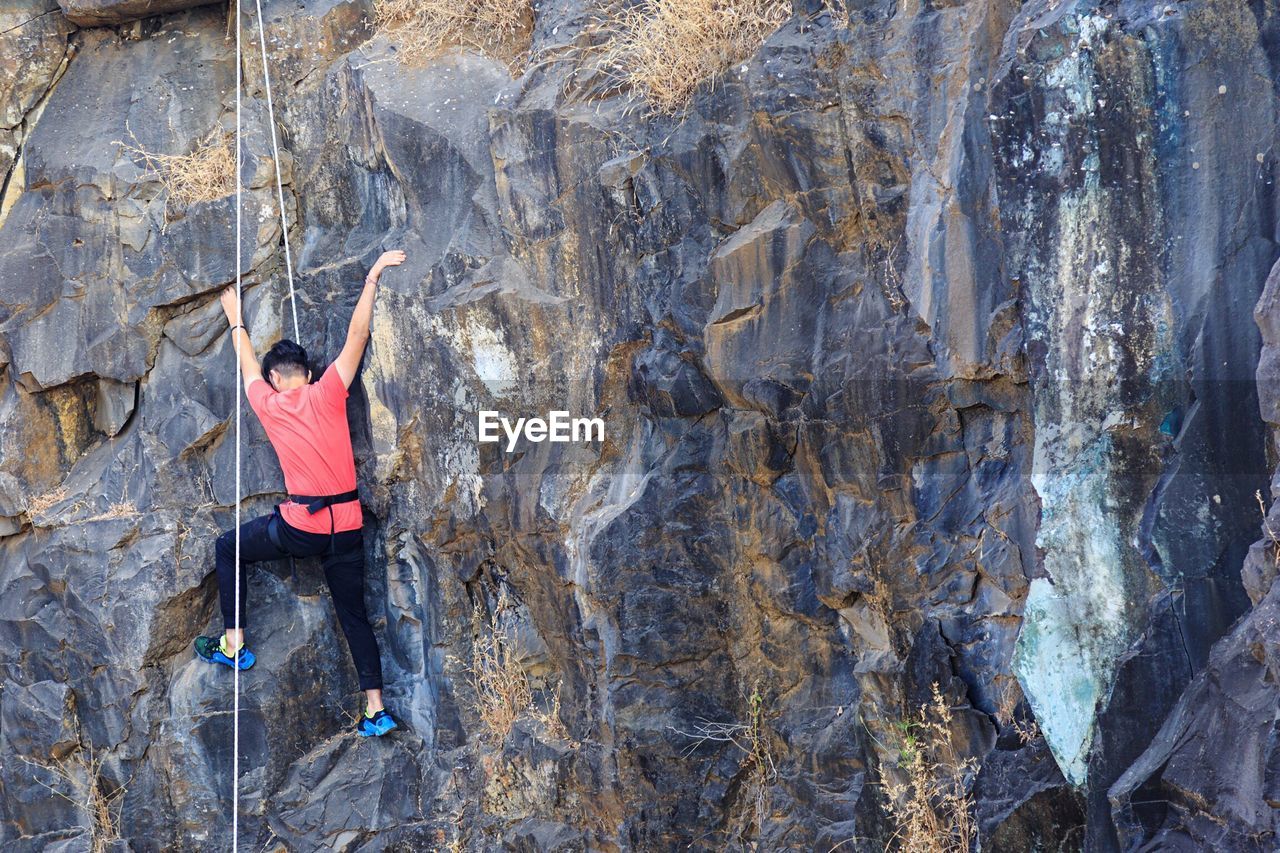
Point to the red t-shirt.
(308, 428)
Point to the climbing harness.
(315, 503)
(293, 305)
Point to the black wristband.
(239, 326)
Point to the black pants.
(343, 570)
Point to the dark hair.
(287, 358)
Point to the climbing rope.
(275, 159)
(235, 661)
(293, 305)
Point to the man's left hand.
(394, 258)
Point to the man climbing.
(307, 425)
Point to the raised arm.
(240, 337)
(358, 331)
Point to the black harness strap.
(273, 533)
(315, 503)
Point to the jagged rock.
(917, 343)
(668, 381)
(348, 789)
(34, 46)
(1209, 779)
(1138, 359)
(38, 720)
(105, 13)
(1024, 803)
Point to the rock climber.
(307, 425)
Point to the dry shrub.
(665, 49)
(206, 174)
(423, 27)
(760, 757)
(932, 810)
(81, 774)
(752, 738)
(502, 689)
(550, 720)
(1272, 539)
(500, 683)
(1010, 696)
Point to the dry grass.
(500, 683)
(752, 738)
(550, 720)
(422, 28)
(1266, 525)
(117, 511)
(41, 504)
(81, 774)
(39, 507)
(1010, 696)
(206, 174)
(932, 810)
(666, 49)
(503, 692)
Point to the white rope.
(235, 659)
(275, 158)
(293, 305)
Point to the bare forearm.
(240, 335)
(362, 317)
(248, 358)
(348, 361)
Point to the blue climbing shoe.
(376, 726)
(212, 650)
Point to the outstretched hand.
(348, 361)
(394, 258)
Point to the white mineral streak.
(1075, 624)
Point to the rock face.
(1209, 780)
(1147, 447)
(105, 13)
(925, 352)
